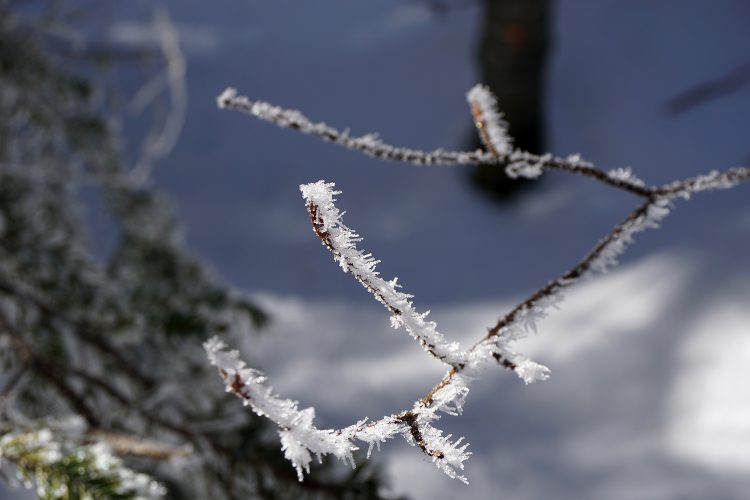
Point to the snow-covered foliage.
(299, 437)
(60, 468)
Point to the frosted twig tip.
(223, 99)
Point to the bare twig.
(161, 140)
(125, 444)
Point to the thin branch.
(368, 144)
(300, 438)
(600, 259)
(371, 145)
(125, 444)
(298, 435)
(712, 180)
(341, 241)
(491, 128)
(161, 140)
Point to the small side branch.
(125, 444)
(301, 439)
(368, 144)
(712, 180)
(342, 242)
(599, 260)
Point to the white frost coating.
(626, 175)
(373, 433)
(450, 398)
(130, 481)
(489, 121)
(712, 180)
(608, 255)
(526, 165)
(600, 260)
(342, 243)
(223, 99)
(368, 144)
(528, 370)
(300, 439)
(452, 454)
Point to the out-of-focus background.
(648, 396)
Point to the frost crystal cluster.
(300, 439)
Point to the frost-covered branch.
(300, 438)
(484, 113)
(713, 180)
(599, 260)
(342, 242)
(368, 144)
(492, 131)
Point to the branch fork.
(299, 437)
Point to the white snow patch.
(709, 407)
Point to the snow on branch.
(342, 242)
(368, 144)
(300, 438)
(492, 129)
(371, 145)
(706, 182)
(59, 469)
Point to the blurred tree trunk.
(512, 56)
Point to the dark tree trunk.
(512, 56)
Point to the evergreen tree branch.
(64, 470)
(83, 329)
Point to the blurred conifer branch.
(110, 334)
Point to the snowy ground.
(648, 396)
